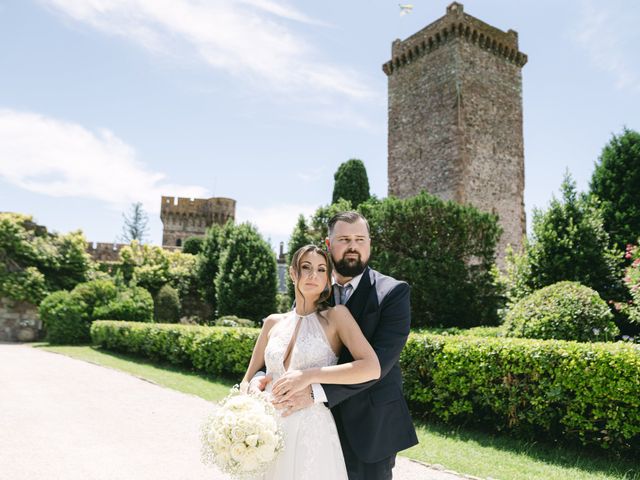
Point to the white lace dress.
(311, 445)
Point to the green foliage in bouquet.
(562, 311)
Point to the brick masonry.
(455, 118)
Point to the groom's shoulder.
(385, 284)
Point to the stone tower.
(186, 217)
(455, 118)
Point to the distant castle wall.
(190, 217)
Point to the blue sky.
(108, 102)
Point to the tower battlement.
(190, 217)
(455, 24)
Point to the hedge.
(545, 388)
(548, 388)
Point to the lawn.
(461, 449)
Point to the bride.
(301, 348)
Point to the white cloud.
(249, 38)
(274, 221)
(62, 159)
(608, 33)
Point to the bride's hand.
(290, 383)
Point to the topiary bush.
(234, 321)
(64, 319)
(167, 305)
(562, 311)
(133, 304)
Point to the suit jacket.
(374, 415)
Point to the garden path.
(67, 419)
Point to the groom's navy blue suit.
(372, 418)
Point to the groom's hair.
(348, 217)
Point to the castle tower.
(455, 118)
(185, 217)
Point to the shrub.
(34, 263)
(589, 392)
(444, 250)
(569, 242)
(167, 305)
(93, 295)
(133, 304)
(214, 350)
(540, 388)
(233, 321)
(246, 282)
(562, 311)
(64, 320)
(192, 245)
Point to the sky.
(104, 103)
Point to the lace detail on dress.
(311, 348)
(312, 446)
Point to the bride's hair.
(296, 260)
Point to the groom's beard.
(350, 267)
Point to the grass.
(502, 457)
(461, 449)
(170, 376)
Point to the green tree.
(34, 263)
(300, 237)
(167, 305)
(444, 250)
(192, 245)
(246, 283)
(351, 183)
(214, 244)
(135, 224)
(569, 242)
(320, 219)
(616, 184)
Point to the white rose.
(251, 440)
(238, 451)
(265, 453)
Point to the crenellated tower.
(190, 217)
(455, 118)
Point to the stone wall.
(19, 321)
(455, 118)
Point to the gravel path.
(67, 419)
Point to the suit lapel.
(358, 299)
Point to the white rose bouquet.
(242, 437)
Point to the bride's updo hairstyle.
(296, 260)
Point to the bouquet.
(242, 437)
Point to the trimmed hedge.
(551, 388)
(555, 389)
(216, 350)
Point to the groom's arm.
(388, 341)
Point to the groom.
(372, 418)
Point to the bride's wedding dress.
(311, 444)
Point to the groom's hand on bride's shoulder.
(295, 402)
